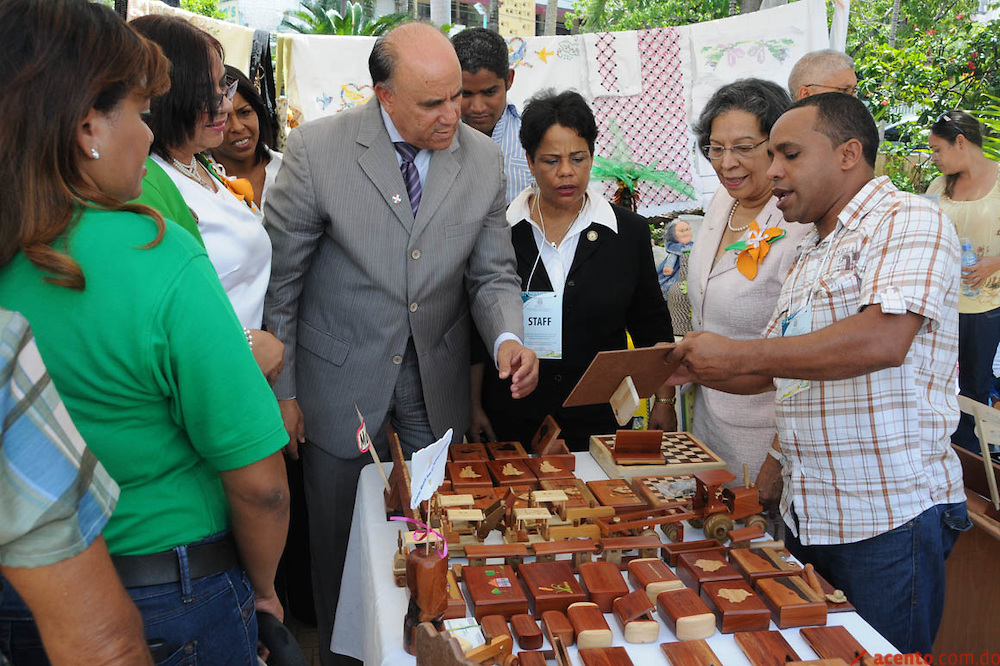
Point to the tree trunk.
(734, 7)
(551, 16)
(894, 21)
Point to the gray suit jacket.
(354, 275)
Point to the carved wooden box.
(551, 586)
(589, 625)
(672, 550)
(501, 450)
(757, 563)
(494, 590)
(695, 569)
(685, 614)
(736, 606)
(616, 493)
(603, 582)
(792, 602)
(467, 451)
(609, 656)
(634, 613)
(512, 472)
(549, 468)
(652, 575)
(469, 475)
(529, 636)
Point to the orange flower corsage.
(753, 250)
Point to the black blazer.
(611, 287)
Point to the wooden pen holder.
(589, 625)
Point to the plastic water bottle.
(969, 259)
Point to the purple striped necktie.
(411, 178)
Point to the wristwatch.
(672, 400)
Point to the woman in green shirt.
(138, 336)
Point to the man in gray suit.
(389, 237)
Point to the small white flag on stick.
(427, 470)
(365, 444)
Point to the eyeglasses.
(716, 152)
(847, 90)
(229, 92)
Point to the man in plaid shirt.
(862, 352)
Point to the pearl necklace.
(190, 170)
(729, 222)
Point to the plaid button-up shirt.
(865, 455)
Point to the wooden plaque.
(792, 602)
(661, 490)
(648, 367)
(589, 625)
(548, 468)
(603, 582)
(469, 474)
(736, 606)
(652, 575)
(501, 450)
(638, 447)
(616, 493)
(690, 653)
(683, 453)
(526, 630)
(765, 648)
(698, 568)
(494, 590)
(833, 643)
(634, 613)
(556, 625)
(756, 563)
(468, 451)
(607, 656)
(551, 586)
(512, 472)
(672, 550)
(686, 614)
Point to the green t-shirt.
(160, 193)
(155, 371)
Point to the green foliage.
(602, 15)
(209, 8)
(989, 116)
(321, 17)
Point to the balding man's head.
(822, 71)
(418, 82)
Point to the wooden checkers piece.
(686, 614)
(672, 550)
(607, 656)
(690, 653)
(698, 568)
(682, 452)
(551, 586)
(634, 613)
(603, 582)
(494, 590)
(465, 452)
(765, 648)
(833, 643)
(792, 602)
(616, 493)
(589, 625)
(526, 631)
(660, 490)
(501, 450)
(555, 625)
(469, 475)
(652, 575)
(756, 563)
(736, 606)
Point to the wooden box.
(833, 643)
(577, 492)
(665, 489)
(549, 468)
(792, 602)
(736, 606)
(501, 450)
(512, 472)
(494, 626)
(467, 451)
(652, 575)
(469, 475)
(494, 590)
(634, 613)
(556, 624)
(686, 614)
(616, 493)
(756, 563)
(765, 648)
(532, 658)
(603, 582)
(608, 656)
(526, 631)
(695, 569)
(670, 551)
(690, 653)
(589, 625)
(550, 586)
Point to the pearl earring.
(93, 153)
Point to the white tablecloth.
(370, 613)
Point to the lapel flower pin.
(753, 250)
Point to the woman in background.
(245, 151)
(140, 339)
(969, 194)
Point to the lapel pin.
(591, 235)
(396, 198)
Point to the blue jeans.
(978, 337)
(896, 580)
(209, 620)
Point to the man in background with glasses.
(823, 71)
